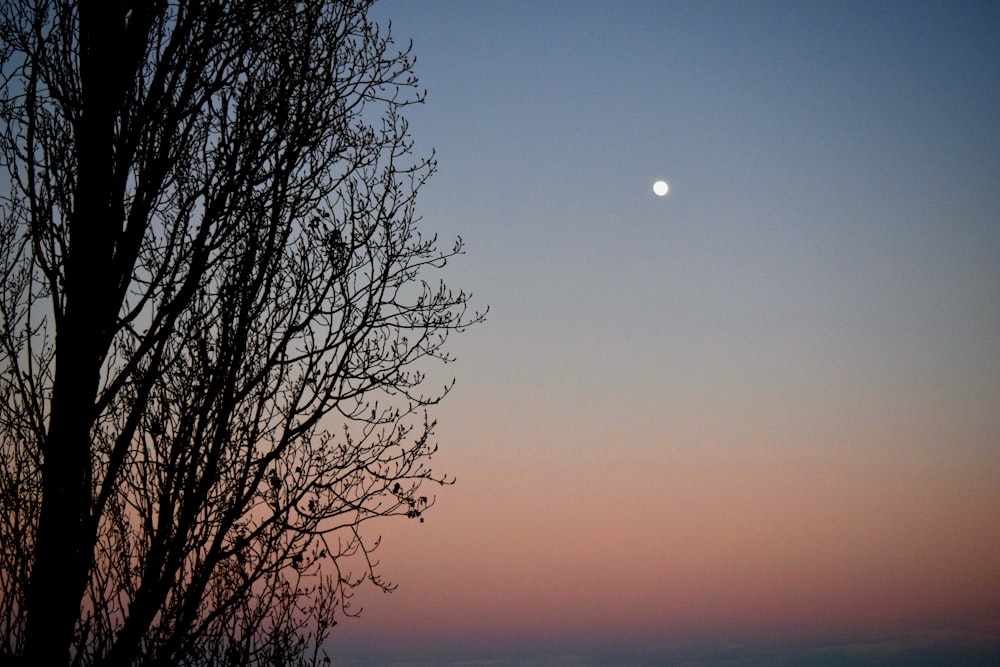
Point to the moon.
(660, 188)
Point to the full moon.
(661, 188)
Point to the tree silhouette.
(215, 320)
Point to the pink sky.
(685, 546)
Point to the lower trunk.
(63, 549)
(59, 572)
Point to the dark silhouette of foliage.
(214, 322)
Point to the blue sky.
(779, 385)
(824, 160)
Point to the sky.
(756, 421)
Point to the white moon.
(661, 188)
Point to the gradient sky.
(761, 411)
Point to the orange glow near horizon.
(697, 551)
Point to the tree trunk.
(65, 537)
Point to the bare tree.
(215, 318)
